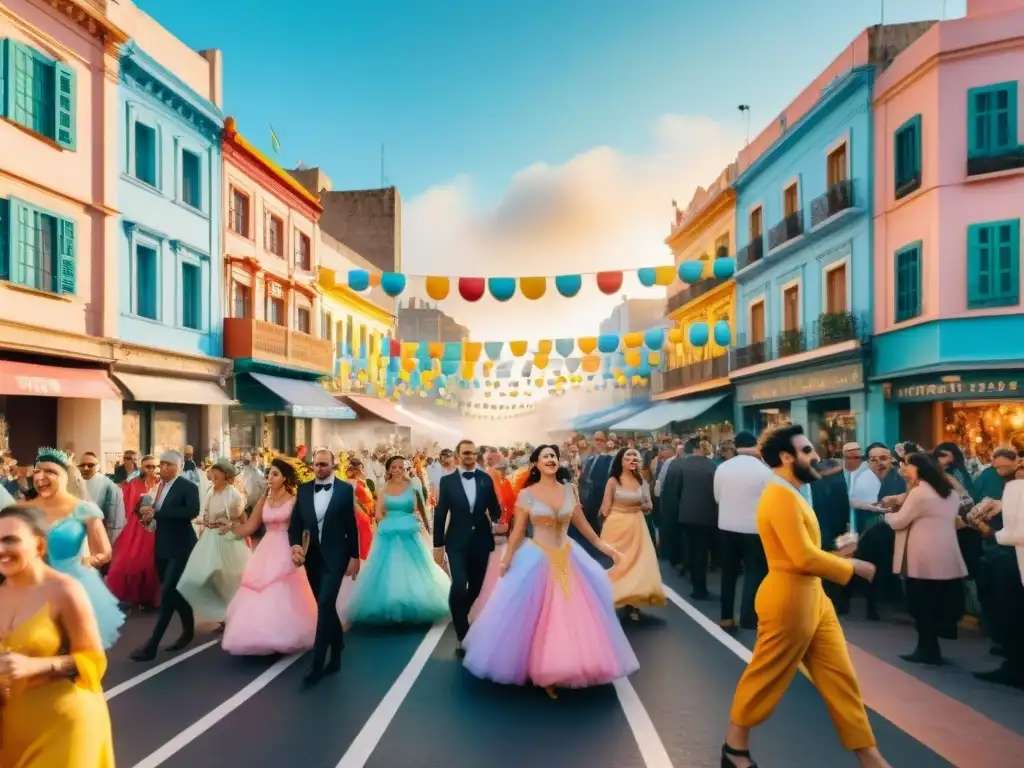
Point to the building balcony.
(245, 338)
(838, 198)
(691, 375)
(750, 253)
(691, 293)
(1003, 160)
(790, 227)
(829, 329)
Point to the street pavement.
(403, 699)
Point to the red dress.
(364, 517)
(132, 575)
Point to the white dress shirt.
(739, 483)
(321, 501)
(469, 486)
(162, 492)
(1012, 533)
(864, 488)
(659, 481)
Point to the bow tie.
(324, 487)
(469, 475)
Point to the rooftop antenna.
(746, 109)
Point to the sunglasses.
(149, 466)
(807, 449)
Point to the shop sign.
(957, 388)
(37, 385)
(799, 385)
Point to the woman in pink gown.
(132, 576)
(274, 610)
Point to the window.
(238, 212)
(145, 153)
(836, 169)
(755, 224)
(790, 200)
(303, 320)
(146, 282)
(275, 311)
(993, 264)
(37, 248)
(38, 93)
(908, 282)
(992, 120)
(757, 331)
(191, 296)
(273, 235)
(907, 152)
(722, 246)
(303, 257)
(835, 290)
(191, 180)
(791, 308)
(243, 301)
(327, 326)
(350, 339)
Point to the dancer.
(551, 619)
(274, 610)
(636, 578)
(77, 544)
(325, 539)
(132, 576)
(468, 496)
(54, 713)
(400, 583)
(174, 507)
(215, 567)
(796, 621)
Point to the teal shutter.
(3, 77)
(1006, 267)
(5, 234)
(64, 278)
(23, 234)
(908, 282)
(976, 278)
(64, 98)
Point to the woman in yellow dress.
(796, 621)
(636, 578)
(51, 658)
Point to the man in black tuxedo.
(173, 509)
(467, 508)
(325, 509)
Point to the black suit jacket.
(175, 536)
(598, 476)
(688, 493)
(456, 526)
(831, 503)
(340, 541)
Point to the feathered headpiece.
(53, 456)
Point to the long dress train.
(132, 575)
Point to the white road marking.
(369, 737)
(652, 749)
(127, 685)
(708, 625)
(210, 719)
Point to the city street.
(402, 699)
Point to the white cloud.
(602, 210)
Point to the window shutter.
(3, 80)
(1007, 271)
(914, 305)
(22, 235)
(65, 277)
(64, 82)
(5, 228)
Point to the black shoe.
(700, 595)
(181, 643)
(1002, 677)
(998, 651)
(334, 665)
(313, 676)
(460, 652)
(145, 653)
(730, 752)
(929, 658)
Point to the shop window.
(37, 248)
(191, 180)
(907, 151)
(993, 264)
(243, 301)
(908, 282)
(238, 212)
(191, 296)
(145, 153)
(146, 293)
(992, 120)
(38, 93)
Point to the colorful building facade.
(170, 271)
(58, 228)
(273, 303)
(949, 183)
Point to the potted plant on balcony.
(836, 327)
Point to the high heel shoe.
(730, 752)
(551, 692)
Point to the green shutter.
(3, 77)
(65, 273)
(5, 235)
(23, 233)
(64, 98)
(992, 119)
(1006, 268)
(908, 282)
(975, 295)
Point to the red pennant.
(609, 283)
(472, 288)
(396, 348)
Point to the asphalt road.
(403, 699)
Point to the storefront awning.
(161, 389)
(304, 399)
(658, 416)
(382, 409)
(52, 381)
(428, 423)
(603, 421)
(581, 421)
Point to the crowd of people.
(536, 553)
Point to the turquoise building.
(170, 262)
(804, 270)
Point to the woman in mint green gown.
(399, 583)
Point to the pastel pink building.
(949, 196)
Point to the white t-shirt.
(739, 483)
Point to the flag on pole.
(274, 143)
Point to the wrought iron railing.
(1005, 160)
(836, 199)
(693, 374)
(691, 292)
(790, 227)
(751, 252)
(828, 329)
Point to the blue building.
(170, 265)
(804, 270)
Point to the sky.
(536, 137)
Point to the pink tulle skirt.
(490, 580)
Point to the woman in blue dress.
(400, 583)
(77, 543)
